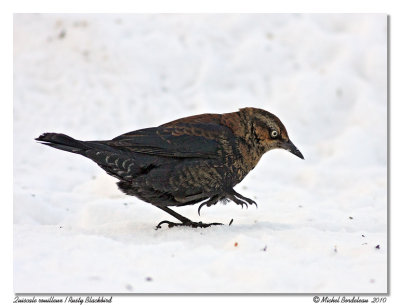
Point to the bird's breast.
(244, 162)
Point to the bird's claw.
(212, 201)
(241, 200)
(198, 210)
(170, 224)
(251, 202)
(241, 203)
(235, 197)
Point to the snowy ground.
(318, 222)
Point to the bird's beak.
(288, 145)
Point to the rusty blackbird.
(186, 161)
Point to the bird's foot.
(233, 196)
(240, 200)
(186, 223)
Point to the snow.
(318, 221)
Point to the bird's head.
(267, 131)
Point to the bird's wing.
(184, 140)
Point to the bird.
(195, 159)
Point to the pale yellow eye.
(274, 134)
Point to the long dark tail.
(115, 162)
(63, 142)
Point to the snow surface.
(318, 222)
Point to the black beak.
(288, 145)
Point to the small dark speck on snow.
(62, 34)
(351, 218)
(149, 279)
(378, 247)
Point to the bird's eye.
(274, 134)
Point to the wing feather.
(185, 140)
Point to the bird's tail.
(63, 142)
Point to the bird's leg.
(239, 199)
(184, 221)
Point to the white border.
(181, 6)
